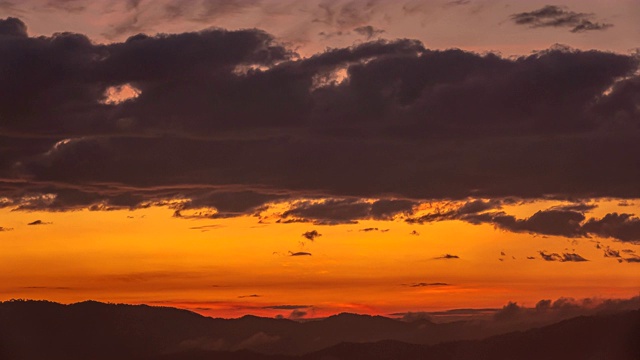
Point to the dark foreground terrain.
(92, 330)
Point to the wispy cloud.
(39, 222)
(556, 16)
(565, 257)
(299, 253)
(311, 235)
(447, 257)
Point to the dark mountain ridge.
(93, 330)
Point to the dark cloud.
(568, 221)
(71, 6)
(563, 308)
(579, 207)
(311, 235)
(297, 314)
(205, 227)
(347, 14)
(547, 222)
(386, 209)
(458, 3)
(226, 203)
(465, 211)
(563, 221)
(13, 27)
(228, 121)
(347, 211)
(608, 252)
(634, 259)
(368, 31)
(565, 257)
(556, 16)
(447, 257)
(248, 296)
(299, 253)
(624, 227)
(2, 229)
(373, 229)
(39, 222)
(423, 284)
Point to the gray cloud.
(368, 31)
(556, 16)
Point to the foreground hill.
(92, 330)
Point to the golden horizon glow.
(237, 266)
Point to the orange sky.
(386, 137)
(216, 267)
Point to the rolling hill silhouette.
(93, 330)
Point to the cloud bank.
(225, 122)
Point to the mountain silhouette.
(587, 337)
(93, 330)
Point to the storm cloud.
(234, 120)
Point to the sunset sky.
(305, 158)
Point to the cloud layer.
(232, 120)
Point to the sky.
(305, 158)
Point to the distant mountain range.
(93, 330)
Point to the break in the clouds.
(225, 122)
(558, 16)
